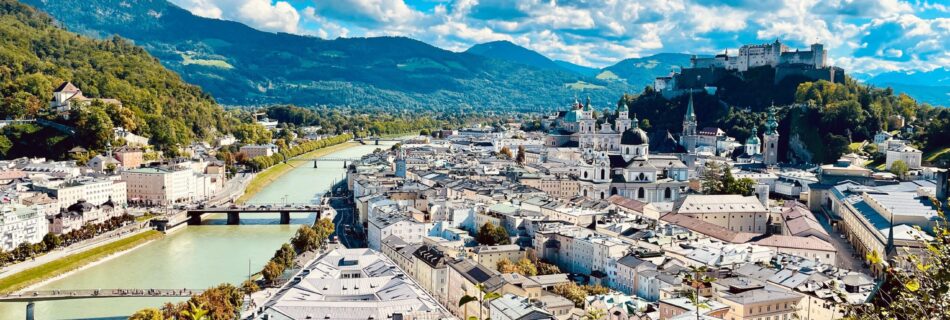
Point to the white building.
(512, 307)
(909, 155)
(384, 225)
(94, 191)
(18, 224)
(259, 150)
(166, 185)
(353, 284)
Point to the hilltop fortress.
(705, 72)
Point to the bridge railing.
(40, 294)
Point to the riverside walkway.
(46, 295)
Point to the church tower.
(623, 117)
(770, 139)
(688, 138)
(587, 120)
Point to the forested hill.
(243, 66)
(36, 56)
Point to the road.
(847, 257)
(346, 215)
(232, 188)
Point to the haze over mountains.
(239, 65)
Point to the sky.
(866, 36)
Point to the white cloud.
(865, 35)
(262, 14)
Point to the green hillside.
(36, 56)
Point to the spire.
(587, 105)
(771, 125)
(690, 113)
(636, 122)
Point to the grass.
(65, 264)
(856, 146)
(933, 155)
(581, 85)
(145, 217)
(267, 176)
(187, 60)
(607, 75)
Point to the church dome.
(634, 136)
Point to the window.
(640, 192)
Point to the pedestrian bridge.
(48, 295)
(234, 211)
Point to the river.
(197, 256)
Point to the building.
(489, 256)
(67, 97)
(762, 302)
(883, 219)
(733, 212)
(19, 224)
(770, 140)
(465, 278)
(129, 158)
(353, 284)
(431, 271)
(93, 191)
(909, 155)
(131, 139)
(512, 307)
(384, 225)
(259, 150)
(166, 185)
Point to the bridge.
(234, 211)
(316, 161)
(30, 297)
(376, 140)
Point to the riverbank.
(269, 175)
(62, 267)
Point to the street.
(846, 257)
(345, 215)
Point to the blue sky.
(867, 36)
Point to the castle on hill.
(705, 72)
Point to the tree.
(506, 266)
(285, 256)
(249, 286)
(527, 268)
(595, 314)
(94, 128)
(505, 152)
(195, 312)
(547, 268)
(52, 240)
(521, 158)
(485, 234)
(324, 228)
(491, 235)
(485, 296)
(147, 314)
(899, 168)
(744, 186)
(272, 271)
(697, 279)
(915, 285)
(306, 239)
(710, 178)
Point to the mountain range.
(932, 87)
(239, 65)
